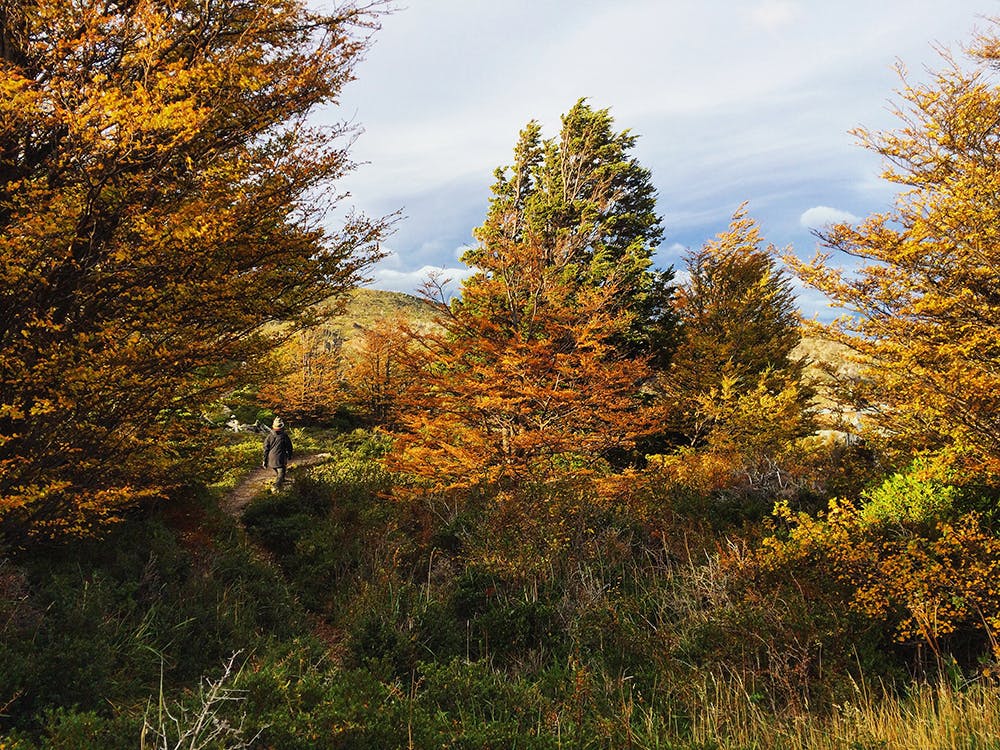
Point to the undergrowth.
(381, 623)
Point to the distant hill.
(828, 363)
(822, 352)
(373, 305)
(366, 309)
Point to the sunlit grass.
(929, 717)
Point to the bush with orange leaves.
(914, 556)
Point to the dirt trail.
(258, 480)
(233, 503)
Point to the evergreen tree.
(544, 357)
(590, 208)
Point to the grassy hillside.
(366, 309)
(831, 366)
(823, 353)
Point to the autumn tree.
(306, 386)
(921, 285)
(734, 389)
(503, 399)
(375, 374)
(738, 320)
(161, 197)
(590, 207)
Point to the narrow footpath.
(233, 503)
(258, 480)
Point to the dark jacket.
(277, 449)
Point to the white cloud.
(390, 261)
(410, 282)
(774, 14)
(671, 256)
(682, 276)
(818, 217)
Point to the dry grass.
(930, 717)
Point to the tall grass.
(935, 716)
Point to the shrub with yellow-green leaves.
(913, 556)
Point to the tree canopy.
(589, 206)
(734, 393)
(161, 197)
(498, 404)
(737, 315)
(923, 304)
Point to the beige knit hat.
(278, 423)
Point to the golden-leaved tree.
(375, 374)
(540, 365)
(305, 385)
(734, 387)
(161, 197)
(923, 301)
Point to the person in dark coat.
(277, 452)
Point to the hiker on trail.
(277, 451)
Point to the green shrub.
(298, 705)
(64, 728)
(920, 495)
(97, 621)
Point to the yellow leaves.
(155, 217)
(926, 582)
(927, 312)
(739, 328)
(699, 470)
(20, 101)
(947, 583)
(30, 495)
(11, 411)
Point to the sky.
(733, 101)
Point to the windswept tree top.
(589, 207)
(541, 362)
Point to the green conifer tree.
(590, 208)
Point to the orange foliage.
(158, 204)
(529, 388)
(375, 375)
(308, 386)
